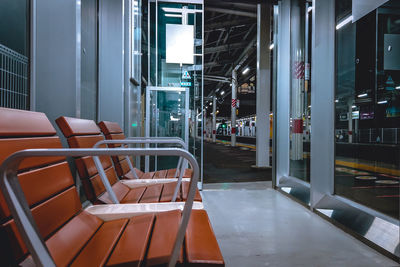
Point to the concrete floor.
(258, 226)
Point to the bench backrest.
(47, 182)
(112, 131)
(81, 133)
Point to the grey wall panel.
(322, 100)
(57, 76)
(111, 61)
(89, 60)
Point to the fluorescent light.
(173, 15)
(271, 46)
(246, 70)
(382, 102)
(309, 9)
(353, 106)
(337, 101)
(173, 119)
(362, 95)
(398, 87)
(344, 22)
(223, 92)
(210, 103)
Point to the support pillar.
(214, 119)
(350, 122)
(263, 88)
(297, 58)
(233, 108)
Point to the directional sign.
(186, 75)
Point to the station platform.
(256, 225)
(223, 163)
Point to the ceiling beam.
(227, 24)
(233, 12)
(223, 48)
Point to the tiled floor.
(258, 226)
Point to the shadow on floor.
(223, 163)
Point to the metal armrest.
(22, 215)
(140, 140)
(173, 140)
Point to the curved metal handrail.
(22, 215)
(142, 140)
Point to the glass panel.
(159, 16)
(14, 54)
(367, 160)
(167, 119)
(300, 127)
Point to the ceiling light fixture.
(246, 70)
(362, 95)
(271, 46)
(173, 15)
(344, 22)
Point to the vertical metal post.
(233, 108)
(350, 122)
(202, 95)
(214, 119)
(297, 84)
(263, 88)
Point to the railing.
(373, 135)
(14, 91)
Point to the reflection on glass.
(300, 108)
(163, 71)
(367, 160)
(14, 54)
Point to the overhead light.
(173, 15)
(309, 106)
(230, 84)
(173, 119)
(362, 95)
(309, 9)
(179, 100)
(344, 22)
(223, 92)
(337, 101)
(353, 106)
(210, 103)
(382, 102)
(246, 70)
(398, 87)
(271, 46)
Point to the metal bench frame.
(21, 212)
(141, 140)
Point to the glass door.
(173, 56)
(167, 115)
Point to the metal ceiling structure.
(230, 42)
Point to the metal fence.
(379, 135)
(14, 92)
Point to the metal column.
(214, 119)
(297, 58)
(350, 122)
(263, 85)
(233, 108)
